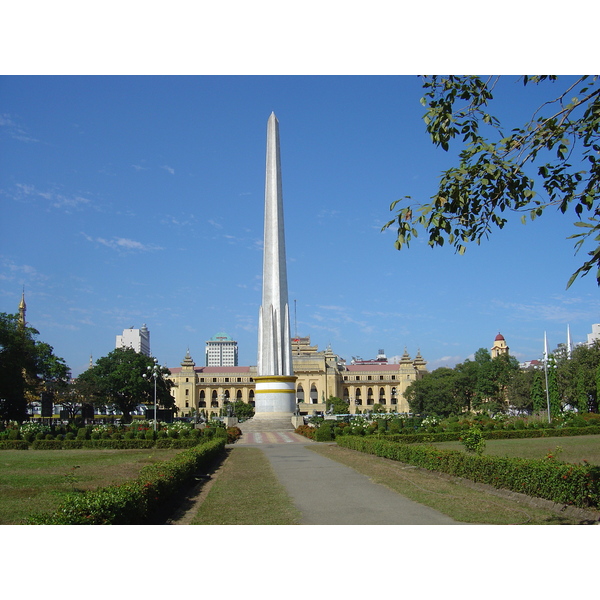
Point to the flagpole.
(546, 375)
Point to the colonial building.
(320, 375)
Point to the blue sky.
(131, 200)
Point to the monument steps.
(266, 424)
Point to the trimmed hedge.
(94, 444)
(13, 445)
(494, 434)
(135, 502)
(176, 443)
(47, 445)
(559, 482)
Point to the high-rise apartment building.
(595, 335)
(221, 351)
(138, 339)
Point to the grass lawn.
(570, 449)
(37, 480)
(247, 492)
(451, 496)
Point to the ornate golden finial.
(22, 309)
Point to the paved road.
(329, 493)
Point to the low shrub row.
(13, 445)
(105, 444)
(505, 434)
(108, 444)
(135, 502)
(306, 431)
(550, 479)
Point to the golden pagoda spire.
(22, 309)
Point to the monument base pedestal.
(275, 396)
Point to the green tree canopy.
(549, 161)
(337, 406)
(118, 379)
(479, 384)
(576, 376)
(434, 394)
(27, 367)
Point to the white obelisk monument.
(275, 391)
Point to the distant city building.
(595, 335)
(531, 364)
(138, 339)
(221, 351)
(320, 375)
(380, 360)
(500, 346)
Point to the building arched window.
(314, 394)
(300, 393)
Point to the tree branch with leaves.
(549, 162)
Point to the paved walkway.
(271, 437)
(329, 493)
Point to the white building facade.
(595, 335)
(221, 351)
(138, 339)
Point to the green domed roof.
(221, 337)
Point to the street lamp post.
(154, 372)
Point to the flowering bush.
(34, 428)
(429, 421)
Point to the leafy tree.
(493, 378)
(576, 376)
(520, 390)
(118, 379)
(553, 391)
(337, 406)
(434, 394)
(538, 395)
(494, 176)
(466, 375)
(70, 400)
(27, 367)
(243, 410)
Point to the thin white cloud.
(562, 310)
(178, 221)
(168, 169)
(55, 200)
(11, 271)
(445, 361)
(14, 130)
(118, 243)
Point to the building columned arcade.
(320, 375)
